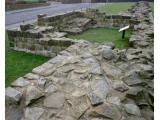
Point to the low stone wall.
(110, 21)
(143, 32)
(59, 20)
(98, 19)
(36, 43)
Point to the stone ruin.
(49, 35)
(85, 81)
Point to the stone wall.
(91, 81)
(37, 43)
(143, 32)
(59, 20)
(98, 19)
(43, 39)
(110, 21)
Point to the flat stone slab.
(13, 114)
(45, 69)
(112, 71)
(80, 105)
(51, 89)
(120, 86)
(132, 109)
(33, 113)
(107, 53)
(56, 100)
(95, 100)
(57, 34)
(94, 67)
(134, 92)
(20, 82)
(32, 93)
(31, 76)
(73, 30)
(133, 80)
(106, 111)
(100, 88)
(77, 25)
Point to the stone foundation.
(91, 81)
(109, 21)
(97, 19)
(39, 41)
(59, 20)
(45, 38)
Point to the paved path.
(18, 16)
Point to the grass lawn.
(102, 35)
(18, 64)
(115, 8)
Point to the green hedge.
(31, 1)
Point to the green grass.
(102, 35)
(31, 1)
(18, 64)
(115, 8)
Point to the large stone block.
(12, 95)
